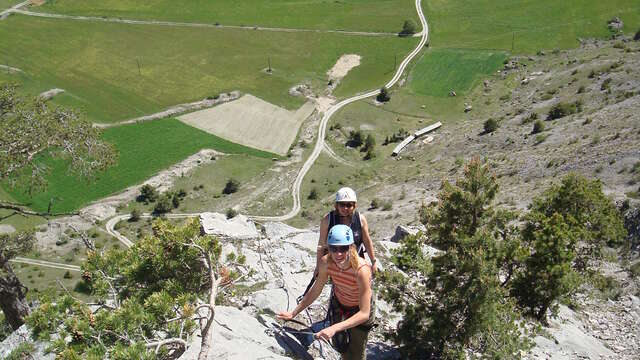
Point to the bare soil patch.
(343, 66)
(253, 122)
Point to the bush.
(562, 109)
(369, 143)
(135, 215)
(163, 205)
(636, 37)
(532, 117)
(538, 127)
(606, 85)
(231, 186)
(147, 194)
(455, 303)
(383, 96)
(375, 203)
(408, 28)
(231, 213)
(369, 155)
(355, 139)
(67, 275)
(398, 136)
(313, 194)
(593, 217)
(547, 275)
(387, 205)
(490, 125)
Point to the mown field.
(144, 149)
(443, 70)
(491, 24)
(5, 4)
(358, 15)
(97, 63)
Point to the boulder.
(403, 231)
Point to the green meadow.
(144, 149)
(530, 25)
(441, 70)
(358, 15)
(97, 63)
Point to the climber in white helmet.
(345, 213)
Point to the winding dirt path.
(320, 144)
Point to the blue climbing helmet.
(340, 235)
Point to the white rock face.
(237, 336)
(7, 229)
(18, 337)
(572, 341)
(240, 227)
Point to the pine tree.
(455, 302)
(548, 274)
(148, 295)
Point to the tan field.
(252, 122)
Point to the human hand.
(285, 315)
(374, 267)
(326, 333)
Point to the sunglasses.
(346, 205)
(337, 248)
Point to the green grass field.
(359, 15)
(442, 70)
(144, 149)
(5, 4)
(491, 24)
(97, 63)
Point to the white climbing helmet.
(346, 194)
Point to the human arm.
(363, 314)
(313, 293)
(368, 243)
(322, 240)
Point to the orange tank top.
(345, 284)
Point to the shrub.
(231, 186)
(538, 127)
(455, 303)
(175, 201)
(593, 217)
(369, 155)
(375, 203)
(163, 205)
(22, 351)
(147, 194)
(563, 109)
(135, 215)
(67, 275)
(490, 125)
(313, 194)
(408, 28)
(369, 143)
(387, 205)
(636, 37)
(532, 117)
(356, 139)
(383, 96)
(398, 136)
(581, 89)
(606, 84)
(547, 274)
(231, 213)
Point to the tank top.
(356, 227)
(345, 284)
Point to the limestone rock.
(240, 227)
